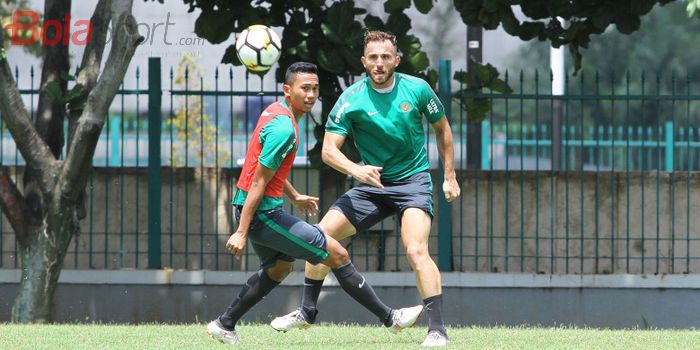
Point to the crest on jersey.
(406, 106)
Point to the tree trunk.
(41, 265)
(44, 217)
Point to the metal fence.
(557, 159)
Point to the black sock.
(434, 307)
(309, 298)
(355, 284)
(255, 289)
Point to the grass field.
(154, 336)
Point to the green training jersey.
(277, 138)
(388, 126)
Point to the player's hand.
(236, 243)
(451, 189)
(368, 174)
(308, 205)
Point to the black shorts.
(365, 205)
(276, 235)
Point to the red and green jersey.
(274, 144)
(388, 126)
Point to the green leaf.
(331, 61)
(484, 76)
(501, 86)
(423, 6)
(75, 93)
(477, 108)
(374, 23)
(303, 51)
(340, 19)
(53, 89)
(330, 34)
(508, 20)
(531, 30)
(78, 105)
(67, 77)
(430, 76)
(391, 6)
(293, 37)
(230, 56)
(691, 8)
(627, 24)
(352, 60)
(418, 61)
(408, 44)
(640, 8)
(212, 25)
(535, 9)
(358, 11)
(491, 5)
(398, 23)
(485, 73)
(463, 77)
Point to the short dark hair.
(378, 35)
(299, 67)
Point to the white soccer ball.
(258, 48)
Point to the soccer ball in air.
(258, 48)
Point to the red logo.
(25, 30)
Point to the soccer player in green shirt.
(277, 237)
(384, 112)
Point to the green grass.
(260, 337)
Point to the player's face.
(302, 93)
(380, 60)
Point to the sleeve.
(430, 104)
(338, 122)
(277, 139)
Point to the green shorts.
(274, 234)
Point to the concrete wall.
(610, 301)
(579, 223)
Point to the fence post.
(485, 145)
(154, 162)
(475, 131)
(115, 139)
(444, 208)
(669, 146)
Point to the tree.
(693, 8)
(661, 46)
(45, 212)
(584, 18)
(190, 123)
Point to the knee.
(279, 271)
(338, 256)
(417, 253)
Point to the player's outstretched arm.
(443, 135)
(237, 242)
(308, 205)
(332, 156)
